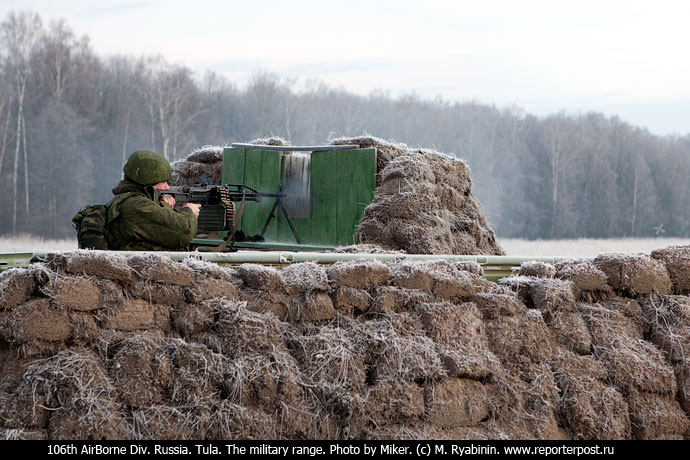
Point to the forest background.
(69, 118)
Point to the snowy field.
(585, 247)
(515, 247)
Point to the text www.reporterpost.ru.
(533, 450)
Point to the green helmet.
(147, 168)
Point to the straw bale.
(677, 262)
(330, 359)
(682, 371)
(551, 295)
(137, 314)
(391, 299)
(570, 330)
(197, 373)
(78, 394)
(538, 269)
(630, 360)
(232, 421)
(522, 286)
(262, 278)
(399, 350)
(12, 368)
(519, 339)
(459, 332)
(192, 319)
(395, 402)
(456, 402)
(139, 372)
(634, 275)
(445, 279)
(631, 310)
(589, 283)
(73, 292)
(205, 161)
(159, 293)
(210, 288)
(492, 306)
(305, 277)
(99, 264)
(161, 269)
(36, 320)
(668, 322)
(18, 284)
(23, 410)
(265, 302)
(385, 150)
(164, 422)
(204, 270)
(348, 300)
(243, 331)
(360, 274)
(655, 416)
(310, 307)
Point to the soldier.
(136, 222)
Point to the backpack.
(91, 223)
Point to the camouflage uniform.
(138, 223)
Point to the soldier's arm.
(160, 225)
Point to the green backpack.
(91, 223)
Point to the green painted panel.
(324, 173)
(346, 196)
(233, 166)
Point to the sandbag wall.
(99, 346)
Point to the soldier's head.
(147, 168)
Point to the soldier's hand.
(168, 201)
(195, 207)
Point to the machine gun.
(218, 204)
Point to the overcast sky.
(626, 58)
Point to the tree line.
(69, 118)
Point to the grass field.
(583, 247)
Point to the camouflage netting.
(423, 202)
(99, 346)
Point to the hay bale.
(305, 277)
(22, 411)
(590, 408)
(668, 322)
(99, 264)
(359, 274)
(399, 350)
(210, 288)
(423, 203)
(493, 306)
(445, 279)
(348, 300)
(159, 269)
(456, 402)
(197, 373)
(631, 361)
(551, 295)
(36, 320)
(537, 269)
(164, 422)
(193, 319)
(18, 284)
(203, 270)
(205, 161)
(634, 275)
(139, 372)
(243, 331)
(137, 314)
(330, 359)
(79, 395)
(264, 302)
(310, 307)
(682, 371)
(459, 332)
(158, 293)
(520, 285)
(73, 292)
(519, 339)
(570, 330)
(677, 262)
(589, 283)
(262, 278)
(232, 421)
(656, 416)
(395, 402)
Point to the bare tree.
(20, 32)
